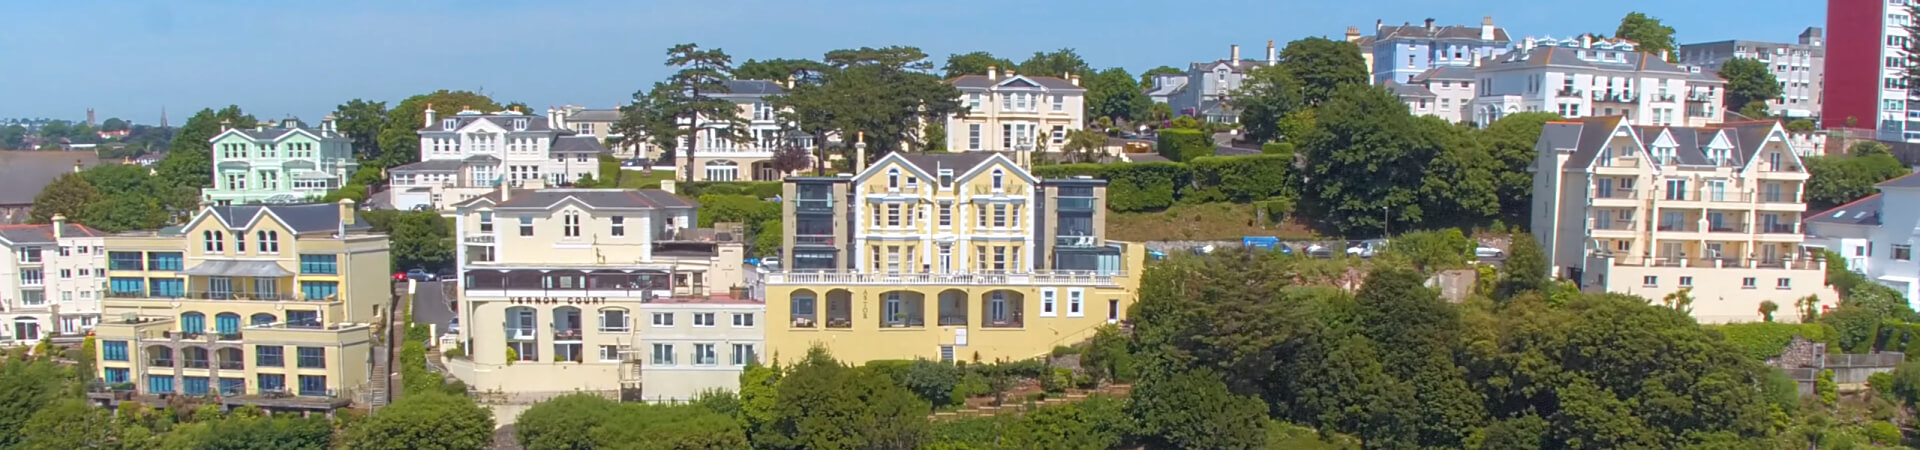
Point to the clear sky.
(279, 58)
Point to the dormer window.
(520, 124)
(946, 178)
(449, 124)
(893, 179)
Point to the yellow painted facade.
(245, 307)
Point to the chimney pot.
(1273, 55)
(1234, 54)
(993, 73)
(1075, 79)
(59, 224)
(1429, 24)
(1378, 24)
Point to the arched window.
(722, 170)
(269, 241)
(226, 323)
(262, 319)
(999, 179)
(193, 322)
(893, 178)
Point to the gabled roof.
(1864, 211)
(593, 198)
(577, 144)
(1173, 85)
(1445, 73)
(43, 233)
(959, 163)
(1408, 90)
(1448, 32)
(504, 120)
(431, 165)
(269, 134)
(981, 82)
(594, 115)
(301, 218)
(1209, 66)
(1690, 144)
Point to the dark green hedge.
(1183, 144)
(1153, 186)
(757, 189)
(1239, 179)
(1762, 340)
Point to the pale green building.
(278, 163)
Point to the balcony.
(566, 334)
(232, 365)
(1699, 97)
(216, 295)
(1034, 278)
(160, 362)
(1663, 97)
(813, 205)
(1729, 197)
(1613, 225)
(520, 334)
(569, 283)
(1678, 227)
(1614, 96)
(1013, 321)
(822, 240)
(953, 321)
(1075, 241)
(1074, 203)
(1727, 227)
(484, 239)
(1780, 228)
(1568, 92)
(1616, 194)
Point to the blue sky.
(287, 58)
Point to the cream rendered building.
(255, 305)
(51, 281)
(555, 282)
(959, 256)
(1649, 211)
(748, 155)
(1015, 113)
(470, 153)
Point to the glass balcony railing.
(813, 239)
(813, 204)
(1075, 203)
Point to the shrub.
(1062, 350)
(755, 189)
(1239, 179)
(932, 381)
(737, 208)
(1145, 186)
(1762, 340)
(1184, 144)
(1058, 381)
(1883, 433)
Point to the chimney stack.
(1486, 28)
(1075, 79)
(993, 73)
(1429, 24)
(59, 224)
(860, 152)
(1586, 40)
(1663, 55)
(77, 166)
(346, 215)
(669, 185)
(226, 124)
(1235, 55)
(1353, 34)
(1273, 56)
(429, 114)
(1378, 24)
(790, 79)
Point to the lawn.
(634, 179)
(1210, 221)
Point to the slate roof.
(1245, 65)
(1909, 181)
(504, 121)
(594, 198)
(1448, 32)
(301, 217)
(959, 163)
(1173, 85)
(23, 173)
(1445, 73)
(1566, 57)
(981, 82)
(594, 115)
(752, 87)
(1585, 138)
(1408, 90)
(577, 144)
(431, 165)
(274, 133)
(1864, 211)
(1706, 75)
(43, 233)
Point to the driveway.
(433, 305)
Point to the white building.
(53, 281)
(697, 344)
(1875, 240)
(1595, 79)
(746, 155)
(1015, 112)
(470, 153)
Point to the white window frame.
(663, 319)
(615, 356)
(1048, 298)
(708, 323)
(1076, 302)
(739, 358)
(662, 355)
(743, 320)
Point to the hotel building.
(667, 302)
(960, 256)
(250, 305)
(51, 280)
(1648, 211)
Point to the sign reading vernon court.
(558, 300)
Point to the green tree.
(1748, 80)
(31, 386)
(425, 421)
(666, 427)
(1511, 141)
(399, 139)
(1434, 250)
(189, 161)
(69, 196)
(1194, 409)
(559, 423)
(973, 63)
(1800, 126)
(1460, 187)
(1869, 148)
(1525, 269)
(1836, 180)
(886, 93)
(1323, 66)
(1368, 160)
(13, 137)
(115, 124)
(419, 239)
(240, 431)
(1146, 78)
(1268, 94)
(1096, 423)
(68, 424)
(686, 96)
(1112, 94)
(1652, 36)
(361, 121)
(1085, 144)
(759, 394)
(825, 405)
(1060, 63)
(779, 70)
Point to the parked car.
(771, 263)
(1485, 252)
(453, 325)
(1319, 251)
(1156, 254)
(399, 276)
(419, 274)
(1367, 248)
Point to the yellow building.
(1006, 264)
(256, 305)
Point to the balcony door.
(220, 288)
(1718, 190)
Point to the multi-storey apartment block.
(269, 306)
(51, 280)
(748, 154)
(1016, 113)
(282, 163)
(1650, 211)
(946, 256)
(603, 290)
(1402, 52)
(1203, 92)
(1800, 67)
(1866, 69)
(1596, 79)
(1875, 240)
(471, 153)
(1443, 92)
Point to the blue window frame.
(116, 375)
(233, 386)
(126, 261)
(303, 318)
(312, 357)
(270, 382)
(113, 350)
(193, 322)
(313, 385)
(127, 286)
(318, 290)
(164, 261)
(159, 384)
(194, 386)
(261, 319)
(168, 287)
(226, 323)
(269, 356)
(319, 265)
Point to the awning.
(238, 269)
